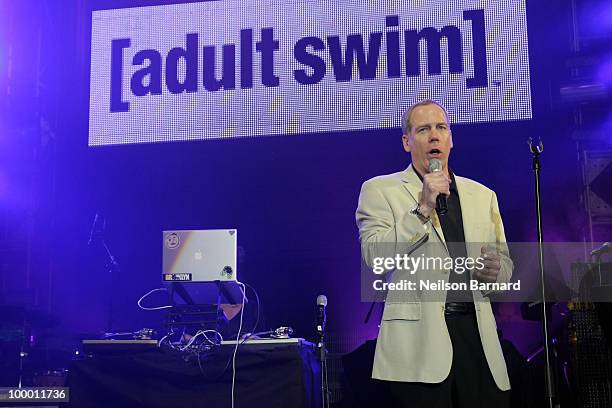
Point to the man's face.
(430, 137)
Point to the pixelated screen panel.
(225, 69)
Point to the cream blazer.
(413, 341)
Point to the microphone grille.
(322, 300)
(434, 165)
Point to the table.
(279, 376)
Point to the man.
(436, 352)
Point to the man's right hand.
(433, 184)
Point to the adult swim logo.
(193, 66)
(230, 68)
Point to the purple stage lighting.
(604, 71)
(595, 19)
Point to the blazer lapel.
(470, 216)
(413, 184)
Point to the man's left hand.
(492, 265)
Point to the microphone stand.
(322, 357)
(536, 150)
(112, 267)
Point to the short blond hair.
(406, 126)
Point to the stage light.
(583, 92)
(591, 81)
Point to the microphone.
(605, 248)
(321, 317)
(93, 229)
(441, 204)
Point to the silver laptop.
(200, 255)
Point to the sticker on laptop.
(172, 240)
(177, 277)
(227, 272)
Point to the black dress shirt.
(452, 228)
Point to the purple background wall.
(292, 198)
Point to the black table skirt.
(280, 377)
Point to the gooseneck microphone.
(441, 203)
(606, 247)
(92, 232)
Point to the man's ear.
(450, 135)
(407, 143)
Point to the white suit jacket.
(413, 341)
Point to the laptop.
(200, 266)
(200, 255)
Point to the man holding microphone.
(437, 353)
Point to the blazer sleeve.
(505, 273)
(381, 229)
